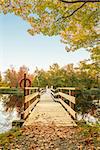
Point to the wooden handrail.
(69, 109)
(29, 109)
(42, 91)
(53, 90)
(70, 98)
(29, 103)
(66, 96)
(68, 88)
(31, 96)
(4, 87)
(31, 88)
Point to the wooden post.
(61, 96)
(70, 92)
(24, 106)
(24, 84)
(69, 101)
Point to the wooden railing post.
(24, 105)
(70, 92)
(70, 101)
(24, 84)
(70, 105)
(26, 91)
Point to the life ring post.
(24, 84)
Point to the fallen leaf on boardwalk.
(80, 147)
(46, 137)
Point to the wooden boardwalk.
(48, 111)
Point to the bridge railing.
(30, 101)
(30, 90)
(42, 90)
(66, 98)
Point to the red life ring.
(29, 82)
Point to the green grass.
(10, 91)
(9, 137)
(89, 134)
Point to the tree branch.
(76, 10)
(79, 1)
(64, 17)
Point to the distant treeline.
(84, 76)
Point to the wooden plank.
(67, 88)
(42, 91)
(53, 90)
(66, 96)
(53, 93)
(69, 109)
(28, 110)
(48, 111)
(4, 88)
(31, 88)
(31, 96)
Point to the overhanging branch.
(64, 17)
(76, 10)
(79, 1)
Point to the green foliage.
(56, 76)
(40, 78)
(89, 135)
(84, 99)
(79, 30)
(84, 76)
(95, 54)
(54, 18)
(9, 137)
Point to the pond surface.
(9, 110)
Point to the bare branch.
(64, 17)
(79, 1)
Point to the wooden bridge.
(49, 106)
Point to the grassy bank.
(9, 90)
(50, 137)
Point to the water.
(9, 110)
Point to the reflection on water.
(9, 110)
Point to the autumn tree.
(95, 56)
(22, 70)
(87, 75)
(11, 77)
(77, 21)
(56, 76)
(40, 78)
(67, 76)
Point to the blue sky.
(18, 47)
